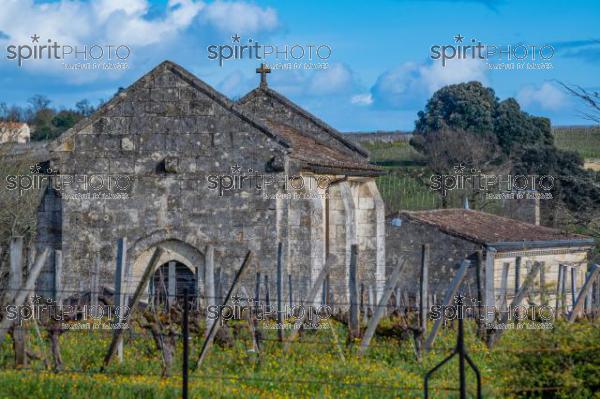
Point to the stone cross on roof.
(263, 70)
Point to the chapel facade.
(171, 162)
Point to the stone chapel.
(171, 162)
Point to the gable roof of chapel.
(315, 155)
(334, 133)
(62, 142)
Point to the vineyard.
(404, 187)
(564, 362)
(583, 140)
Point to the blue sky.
(380, 72)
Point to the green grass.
(566, 359)
(404, 186)
(399, 153)
(585, 141)
(401, 188)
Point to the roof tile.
(486, 228)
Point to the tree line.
(45, 121)
(467, 124)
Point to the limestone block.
(164, 94)
(200, 107)
(366, 203)
(122, 165)
(152, 142)
(127, 144)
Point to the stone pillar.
(370, 232)
(490, 288)
(379, 237)
(350, 216)
(299, 242)
(317, 236)
(338, 232)
(281, 216)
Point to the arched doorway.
(169, 283)
(189, 261)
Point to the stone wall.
(356, 213)
(169, 137)
(526, 210)
(576, 258)
(164, 144)
(407, 239)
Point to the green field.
(404, 185)
(406, 190)
(399, 153)
(585, 140)
(559, 363)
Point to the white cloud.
(240, 17)
(547, 97)
(362, 99)
(338, 79)
(236, 84)
(335, 79)
(129, 25)
(410, 84)
(105, 8)
(436, 76)
(128, 21)
(78, 23)
(105, 22)
(398, 87)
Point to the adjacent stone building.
(498, 244)
(171, 162)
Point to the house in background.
(499, 245)
(16, 132)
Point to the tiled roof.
(318, 155)
(486, 228)
(12, 125)
(265, 90)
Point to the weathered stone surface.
(446, 251)
(171, 164)
(127, 144)
(185, 153)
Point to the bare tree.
(14, 113)
(447, 148)
(452, 151)
(39, 102)
(591, 217)
(590, 98)
(18, 213)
